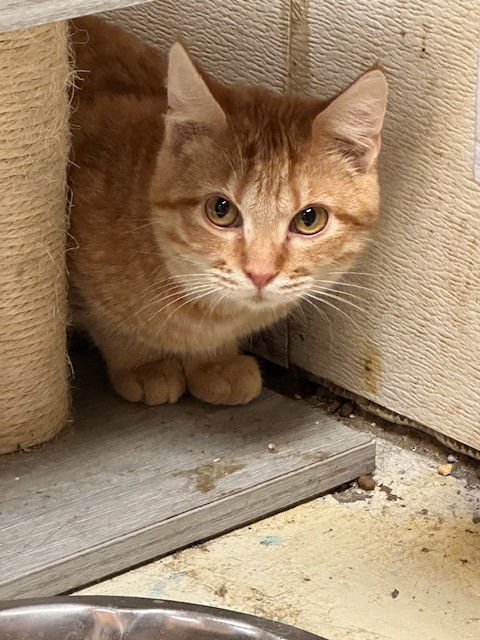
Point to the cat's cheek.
(226, 243)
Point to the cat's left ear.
(353, 120)
(192, 109)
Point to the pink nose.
(260, 279)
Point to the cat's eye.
(310, 220)
(222, 212)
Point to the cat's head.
(258, 199)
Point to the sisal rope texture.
(34, 138)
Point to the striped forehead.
(269, 188)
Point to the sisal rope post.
(34, 141)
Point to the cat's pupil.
(309, 216)
(222, 207)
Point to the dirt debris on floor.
(405, 557)
(366, 482)
(445, 469)
(292, 383)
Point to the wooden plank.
(128, 483)
(17, 15)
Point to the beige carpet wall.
(416, 347)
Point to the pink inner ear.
(355, 118)
(364, 154)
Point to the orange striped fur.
(165, 293)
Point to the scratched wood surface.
(17, 15)
(127, 483)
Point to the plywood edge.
(184, 529)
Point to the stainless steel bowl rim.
(23, 610)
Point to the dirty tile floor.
(399, 563)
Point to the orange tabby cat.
(203, 213)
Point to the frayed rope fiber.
(34, 145)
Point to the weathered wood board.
(17, 15)
(127, 483)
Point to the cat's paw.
(159, 382)
(234, 381)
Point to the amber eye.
(310, 220)
(222, 212)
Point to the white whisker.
(329, 304)
(345, 284)
(167, 280)
(167, 283)
(175, 300)
(196, 298)
(198, 274)
(336, 291)
(199, 287)
(331, 295)
(132, 229)
(355, 273)
(213, 307)
(325, 315)
(296, 304)
(192, 260)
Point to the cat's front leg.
(138, 373)
(228, 379)
(153, 383)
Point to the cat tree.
(34, 73)
(34, 145)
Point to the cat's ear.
(192, 109)
(354, 119)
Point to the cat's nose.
(260, 280)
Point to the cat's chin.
(258, 304)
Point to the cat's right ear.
(192, 109)
(354, 119)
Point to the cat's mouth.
(266, 300)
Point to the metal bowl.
(104, 618)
